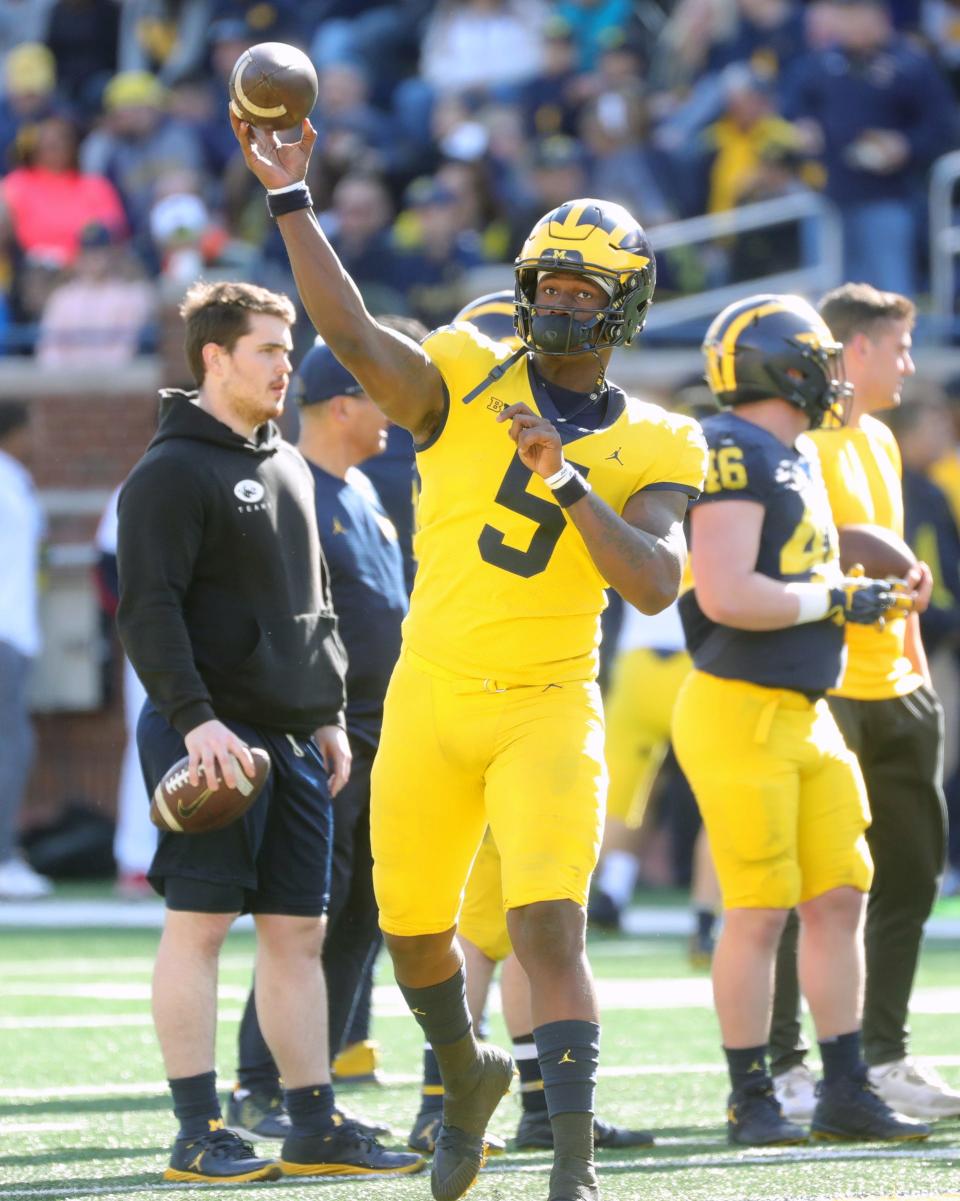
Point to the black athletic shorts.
(275, 859)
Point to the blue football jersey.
(797, 540)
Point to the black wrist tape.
(289, 202)
(570, 492)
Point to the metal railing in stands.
(812, 279)
(944, 244)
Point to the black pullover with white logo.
(225, 606)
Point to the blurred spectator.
(353, 134)
(382, 39)
(922, 428)
(613, 127)
(22, 21)
(138, 145)
(945, 472)
(558, 171)
(878, 112)
(359, 227)
(550, 100)
(164, 37)
(83, 35)
(485, 47)
(594, 25)
(767, 34)
(29, 92)
(21, 528)
(47, 201)
(273, 21)
(438, 248)
(97, 317)
(940, 23)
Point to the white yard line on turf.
(647, 1163)
(116, 915)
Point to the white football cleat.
(19, 882)
(915, 1089)
(796, 1090)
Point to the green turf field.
(83, 1111)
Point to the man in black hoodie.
(225, 613)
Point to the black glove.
(863, 602)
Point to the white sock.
(618, 875)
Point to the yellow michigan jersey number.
(726, 470)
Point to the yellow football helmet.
(597, 239)
(771, 346)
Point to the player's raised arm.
(395, 373)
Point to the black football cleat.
(345, 1151)
(258, 1115)
(371, 1129)
(459, 1154)
(426, 1127)
(220, 1157)
(534, 1133)
(848, 1110)
(755, 1119)
(603, 913)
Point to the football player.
(482, 930)
(890, 716)
(782, 797)
(493, 715)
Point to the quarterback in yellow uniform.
(782, 797)
(482, 928)
(541, 484)
(889, 714)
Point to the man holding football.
(225, 614)
(493, 716)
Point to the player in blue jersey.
(782, 797)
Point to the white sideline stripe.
(795, 1155)
(663, 993)
(117, 915)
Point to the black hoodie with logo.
(225, 606)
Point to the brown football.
(881, 552)
(273, 86)
(183, 808)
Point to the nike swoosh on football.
(186, 811)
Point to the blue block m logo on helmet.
(602, 242)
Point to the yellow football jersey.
(862, 471)
(506, 589)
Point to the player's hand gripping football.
(867, 602)
(538, 440)
(273, 162)
(211, 745)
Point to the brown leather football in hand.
(184, 808)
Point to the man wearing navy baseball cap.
(339, 428)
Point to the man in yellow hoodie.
(890, 717)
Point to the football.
(182, 808)
(273, 86)
(881, 552)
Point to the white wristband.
(813, 602)
(561, 477)
(287, 187)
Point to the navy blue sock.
(310, 1108)
(440, 1009)
(196, 1104)
(841, 1056)
(569, 1053)
(747, 1065)
(431, 1093)
(533, 1098)
(706, 921)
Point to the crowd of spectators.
(445, 128)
